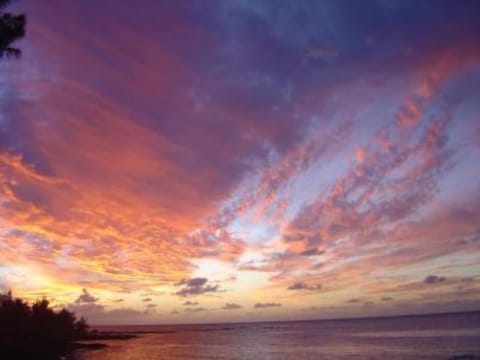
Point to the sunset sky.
(236, 160)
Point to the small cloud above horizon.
(85, 297)
(190, 303)
(434, 279)
(303, 286)
(195, 286)
(231, 306)
(262, 305)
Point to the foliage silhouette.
(12, 27)
(37, 329)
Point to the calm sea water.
(402, 338)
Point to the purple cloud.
(262, 305)
(85, 297)
(434, 279)
(190, 303)
(231, 306)
(303, 286)
(194, 309)
(195, 286)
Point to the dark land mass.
(38, 332)
(109, 335)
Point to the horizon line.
(300, 320)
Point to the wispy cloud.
(302, 286)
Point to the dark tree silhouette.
(37, 329)
(12, 27)
(81, 329)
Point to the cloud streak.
(263, 305)
(195, 286)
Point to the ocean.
(443, 336)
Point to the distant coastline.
(103, 327)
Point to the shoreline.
(52, 350)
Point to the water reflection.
(439, 337)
